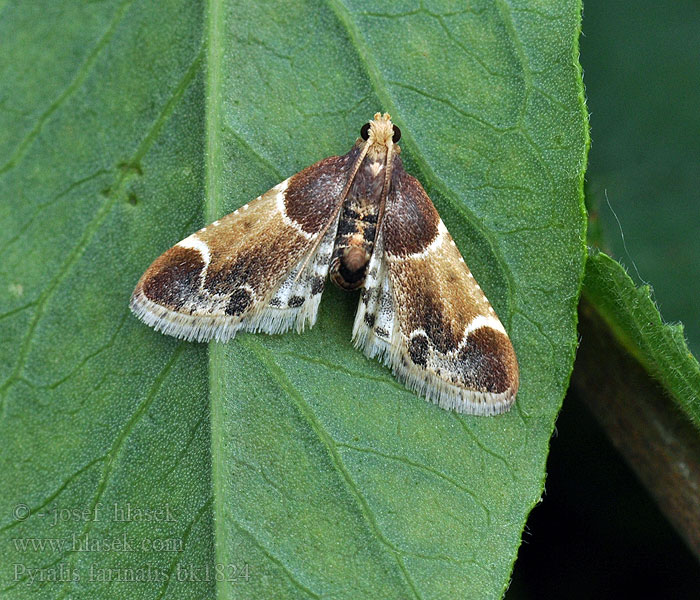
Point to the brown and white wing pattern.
(375, 320)
(425, 315)
(260, 268)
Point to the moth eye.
(397, 134)
(364, 132)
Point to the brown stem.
(658, 442)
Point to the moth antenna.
(387, 183)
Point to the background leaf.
(103, 112)
(635, 322)
(128, 126)
(644, 167)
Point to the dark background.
(641, 63)
(597, 533)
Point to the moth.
(370, 225)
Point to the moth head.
(380, 131)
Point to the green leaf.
(636, 324)
(290, 459)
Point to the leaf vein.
(422, 467)
(92, 229)
(390, 381)
(266, 358)
(256, 153)
(116, 448)
(38, 210)
(55, 493)
(184, 537)
(272, 558)
(106, 346)
(78, 78)
(482, 447)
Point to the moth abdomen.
(348, 271)
(353, 249)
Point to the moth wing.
(423, 313)
(260, 268)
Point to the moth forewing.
(453, 348)
(260, 268)
(362, 218)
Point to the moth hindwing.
(364, 220)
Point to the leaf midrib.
(212, 167)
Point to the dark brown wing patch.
(175, 277)
(414, 221)
(313, 193)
